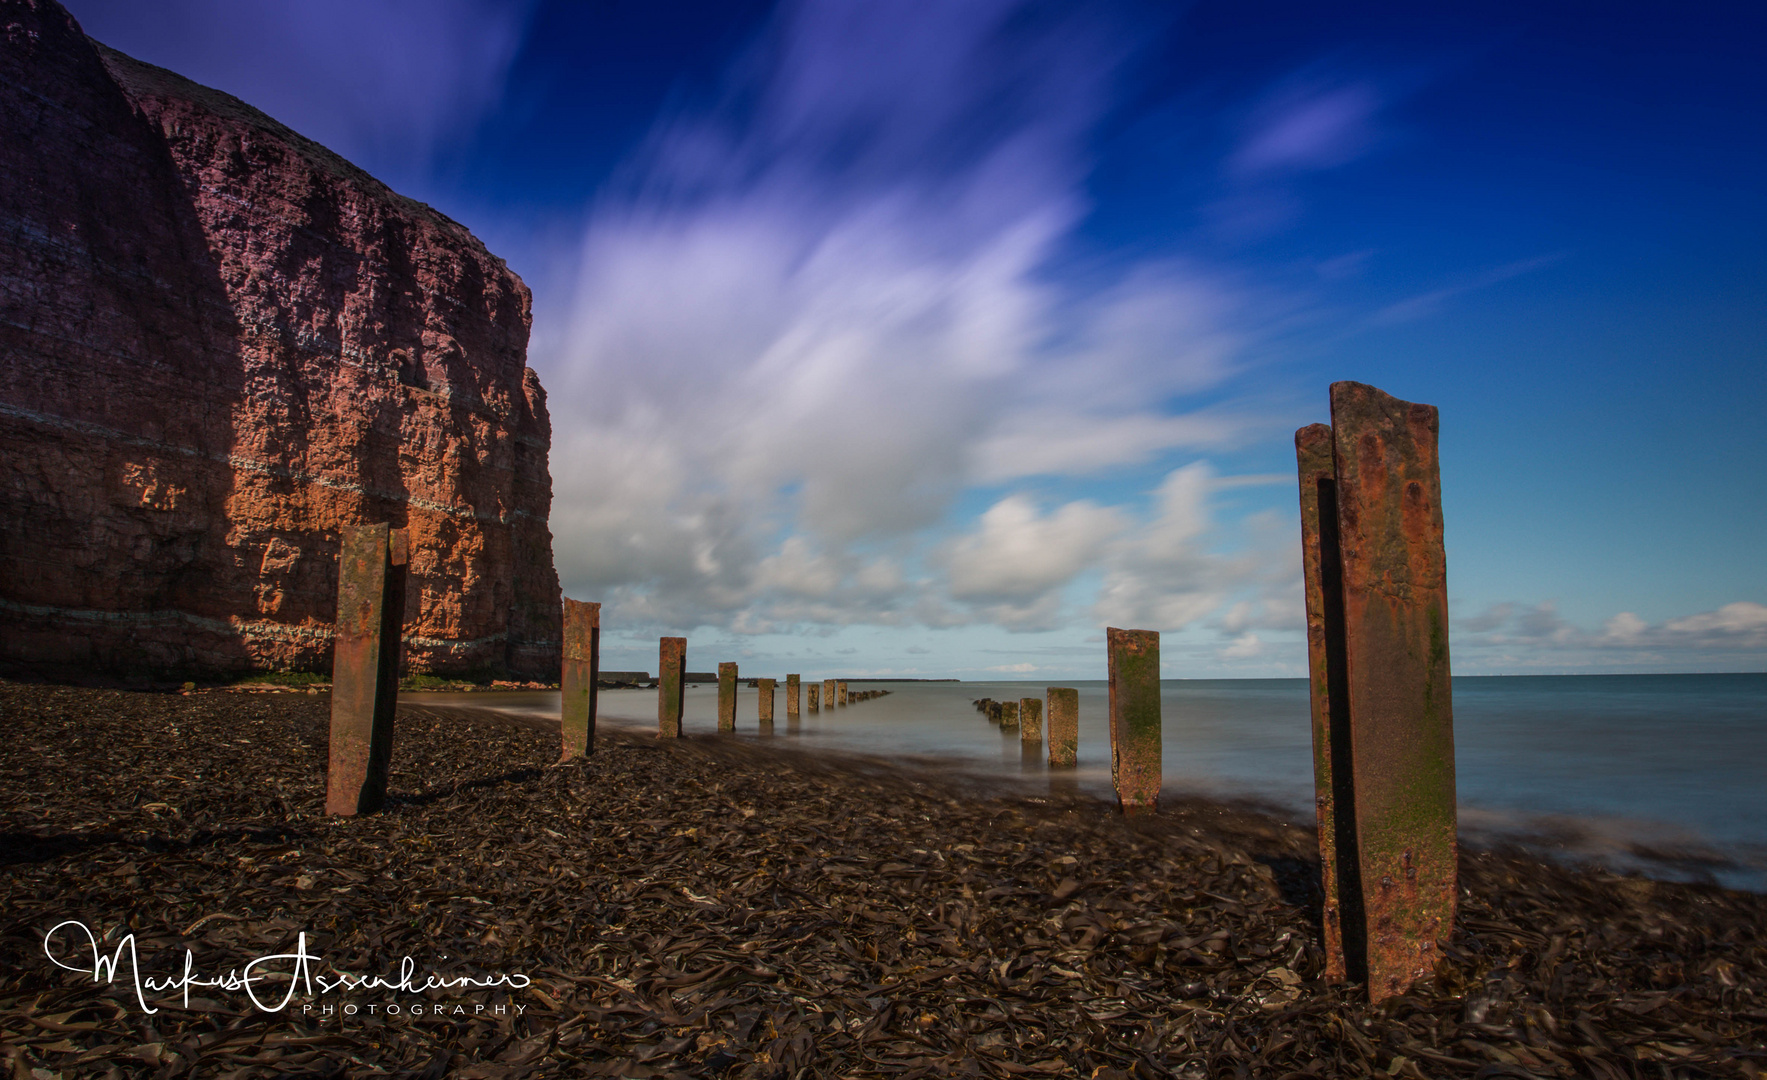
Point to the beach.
(715, 906)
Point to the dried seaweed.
(722, 907)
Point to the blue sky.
(930, 338)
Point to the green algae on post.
(671, 685)
(1064, 726)
(1135, 718)
(580, 670)
(792, 682)
(727, 696)
(1030, 719)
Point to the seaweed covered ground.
(731, 907)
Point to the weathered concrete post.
(811, 690)
(791, 696)
(1009, 716)
(576, 682)
(1064, 727)
(1030, 719)
(365, 666)
(1135, 718)
(765, 708)
(828, 693)
(671, 685)
(727, 697)
(1377, 613)
(840, 690)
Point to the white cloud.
(1733, 636)
(818, 311)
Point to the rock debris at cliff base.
(716, 907)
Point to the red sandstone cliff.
(219, 342)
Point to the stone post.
(1135, 718)
(576, 682)
(840, 690)
(1384, 711)
(727, 697)
(1030, 720)
(828, 693)
(792, 683)
(1009, 716)
(766, 688)
(365, 666)
(1064, 727)
(671, 685)
(812, 691)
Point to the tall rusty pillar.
(1064, 726)
(671, 685)
(1030, 720)
(365, 666)
(1322, 572)
(792, 683)
(727, 697)
(576, 683)
(1135, 718)
(828, 693)
(765, 707)
(812, 690)
(1380, 681)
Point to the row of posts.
(1380, 695)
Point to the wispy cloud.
(379, 81)
(1731, 637)
(813, 314)
(1428, 303)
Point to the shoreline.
(713, 907)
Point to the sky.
(914, 338)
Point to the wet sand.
(721, 907)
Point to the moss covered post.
(1377, 602)
(576, 681)
(1135, 718)
(727, 697)
(1030, 720)
(671, 686)
(792, 683)
(1064, 726)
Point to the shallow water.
(1656, 772)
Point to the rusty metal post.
(1322, 573)
(1135, 718)
(828, 693)
(1396, 676)
(365, 666)
(792, 683)
(812, 691)
(765, 708)
(1030, 720)
(1009, 716)
(671, 685)
(840, 690)
(576, 682)
(1064, 727)
(727, 697)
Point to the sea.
(1664, 775)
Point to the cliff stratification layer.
(220, 342)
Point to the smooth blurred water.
(1619, 766)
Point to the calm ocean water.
(1661, 773)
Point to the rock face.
(220, 342)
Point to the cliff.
(219, 342)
